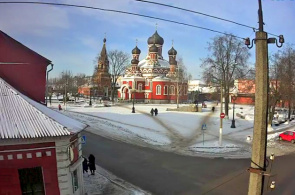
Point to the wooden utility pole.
(260, 116)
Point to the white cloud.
(32, 19)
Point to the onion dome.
(136, 50)
(153, 49)
(155, 39)
(104, 40)
(134, 61)
(172, 51)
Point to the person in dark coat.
(91, 164)
(156, 111)
(59, 107)
(85, 165)
(213, 108)
(152, 112)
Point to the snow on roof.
(133, 77)
(21, 117)
(161, 78)
(145, 63)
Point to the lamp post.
(133, 93)
(90, 103)
(65, 96)
(233, 123)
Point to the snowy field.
(179, 132)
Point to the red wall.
(9, 178)
(29, 79)
(244, 100)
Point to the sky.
(72, 37)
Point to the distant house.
(40, 149)
(245, 91)
(22, 68)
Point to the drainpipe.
(46, 93)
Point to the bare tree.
(226, 62)
(182, 78)
(119, 60)
(274, 95)
(286, 59)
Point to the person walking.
(85, 165)
(91, 164)
(156, 111)
(152, 112)
(59, 107)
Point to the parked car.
(280, 116)
(288, 136)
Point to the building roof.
(8, 44)
(22, 117)
(155, 39)
(161, 78)
(146, 63)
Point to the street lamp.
(133, 93)
(90, 103)
(234, 97)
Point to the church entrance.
(125, 93)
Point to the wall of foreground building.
(60, 160)
(21, 156)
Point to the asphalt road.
(164, 173)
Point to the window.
(147, 82)
(158, 90)
(75, 181)
(165, 90)
(172, 90)
(139, 87)
(31, 181)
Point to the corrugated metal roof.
(21, 117)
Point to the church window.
(158, 90)
(139, 87)
(147, 82)
(172, 90)
(165, 90)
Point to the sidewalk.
(104, 182)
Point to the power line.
(122, 12)
(196, 12)
(200, 13)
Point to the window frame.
(166, 90)
(158, 90)
(140, 87)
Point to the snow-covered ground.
(179, 132)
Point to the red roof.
(8, 44)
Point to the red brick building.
(153, 79)
(102, 79)
(40, 149)
(246, 91)
(23, 68)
